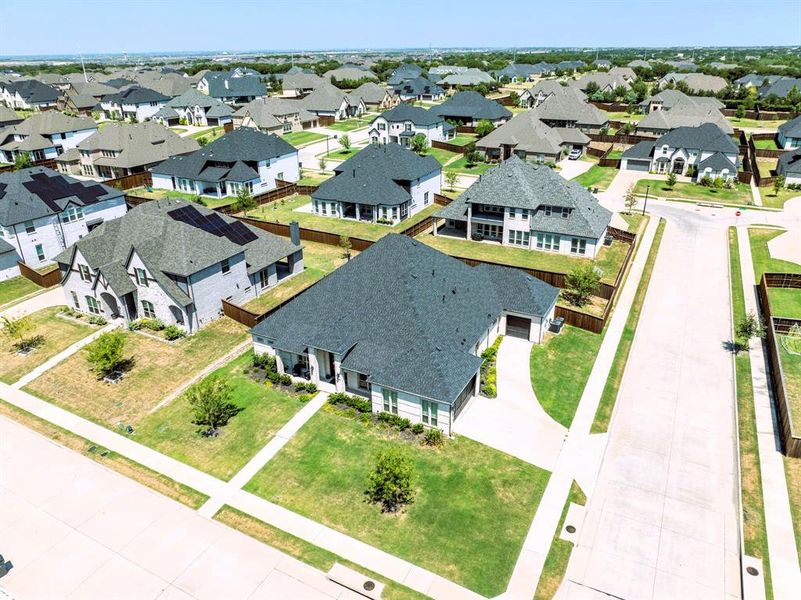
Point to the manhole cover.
(752, 571)
(369, 586)
(570, 529)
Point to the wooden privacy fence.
(50, 163)
(620, 138)
(760, 115)
(134, 180)
(752, 155)
(775, 326)
(442, 200)
(45, 280)
(449, 147)
(309, 235)
(465, 129)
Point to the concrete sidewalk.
(52, 297)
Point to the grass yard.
(471, 512)
(766, 167)
(313, 177)
(785, 302)
(791, 366)
(605, 407)
(609, 260)
(760, 254)
(792, 471)
(460, 165)
(596, 176)
(463, 139)
(349, 124)
(560, 395)
(15, 288)
(343, 154)
(210, 134)
(304, 551)
(740, 194)
(555, 567)
(624, 116)
(264, 410)
(769, 144)
(302, 138)
(441, 155)
(178, 130)
(318, 259)
(754, 534)
(774, 200)
(753, 123)
(159, 368)
(208, 201)
(58, 334)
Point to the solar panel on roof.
(214, 224)
(50, 189)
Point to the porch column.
(339, 378)
(469, 220)
(436, 222)
(357, 211)
(314, 367)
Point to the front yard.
(460, 165)
(264, 410)
(303, 138)
(471, 512)
(210, 134)
(777, 200)
(350, 124)
(158, 368)
(740, 194)
(760, 253)
(15, 288)
(596, 176)
(56, 334)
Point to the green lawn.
(763, 262)
(615, 154)
(740, 194)
(343, 154)
(555, 567)
(178, 130)
(753, 123)
(302, 138)
(609, 260)
(208, 201)
(463, 139)
(774, 200)
(766, 167)
(754, 534)
(460, 166)
(766, 144)
(791, 366)
(472, 509)
(349, 124)
(313, 177)
(624, 116)
(15, 288)
(596, 176)
(609, 396)
(441, 155)
(210, 134)
(264, 410)
(785, 302)
(560, 395)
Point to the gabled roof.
(791, 128)
(8, 116)
(468, 77)
(781, 87)
(406, 112)
(602, 80)
(233, 157)
(419, 86)
(569, 105)
(685, 114)
(370, 92)
(518, 184)
(717, 162)
(527, 133)
(37, 130)
(523, 70)
(373, 176)
(697, 81)
(353, 73)
(789, 163)
(324, 98)
(548, 87)
(301, 81)
(33, 91)
(230, 85)
(192, 97)
(670, 98)
(404, 72)
(756, 80)
(406, 315)
(39, 192)
(470, 104)
(264, 112)
(135, 95)
(707, 138)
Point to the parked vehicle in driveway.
(575, 154)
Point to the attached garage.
(518, 326)
(462, 399)
(636, 165)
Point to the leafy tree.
(323, 163)
(631, 199)
(419, 143)
(23, 160)
(747, 328)
(344, 141)
(202, 140)
(105, 353)
(740, 112)
(484, 127)
(211, 404)
(778, 184)
(17, 329)
(671, 179)
(591, 88)
(391, 483)
(450, 179)
(344, 243)
(472, 158)
(627, 128)
(581, 283)
(717, 183)
(244, 200)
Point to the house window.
(519, 238)
(426, 198)
(361, 381)
(382, 127)
(390, 401)
(524, 213)
(85, 273)
(141, 277)
(280, 176)
(493, 209)
(30, 227)
(429, 412)
(72, 214)
(547, 210)
(548, 242)
(75, 302)
(226, 267)
(493, 232)
(578, 246)
(565, 212)
(93, 305)
(287, 127)
(148, 309)
(40, 252)
(264, 278)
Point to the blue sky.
(115, 26)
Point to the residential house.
(570, 65)
(789, 136)
(243, 158)
(400, 124)
(171, 85)
(517, 72)
(627, 73)
(405, 72)
(8, 116)
(780, 88)
(527, 137)
(375, 97)
(753, 80)
(529, 206)
(469, 77)
(536, 95)
(568, 109)
(697, 82)
(43, 212)
(84, 97)
(437, 73)
(604, 82)
(667, 99)
(409, 328)
(121, 149)
(349, 73)
(602, 63)
(469, 107)
(682, 65)
(331, 104)
(670, 109)
(134, 104)
(705, 150)
(297, 85)
(28, 94)
(382, 183)
(419, 89)
(174, 261)
(194, 108)
(790, 167)
(235, 87)
(275, 115)
(721, 66)
(638, 63)
(44, 135)
(8, 261)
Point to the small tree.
(671, 179)
(630, 199)
(105, 354)
(740, 112)
(23, 160)
(344, 141)
(747, 328)
(244, 200)
(419, 143)
(17, 329)
(211, 404)
(202, 140)
(717, 183)
(484, 127)
(778, 184)
(322, 164)
(472, 158)
(344, 243)
(450, 178)
(391, 483)
(581, 283)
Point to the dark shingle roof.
(415, 114)
(406, 315)
(716, 162)
(707, 137)
(789, 163)
(135, 95)
(640, 150)
(472, 105)
(419, 86)
(33, 91)
(791, 128)
(225, 85)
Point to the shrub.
(151, 324)
(419, 143)
(105, 353)
(95, 320)
(173, 332)
(311, 387)
(706, 181)
(489, 390)
(285, 380)
(391, 483)
(362, 405)
(264, 361)
(418, 428)
(484, 128)
(211, 404)
(434, 437)
(300, 386)
(135, 325)
(23, 161)
(304, 398)
(581, 283)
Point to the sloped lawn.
(16, 288)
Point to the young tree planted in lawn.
(18, 329)
(202, 140)
(322, 164)
(631, 199)
(245, 200)
(344, 141)
(344, 243)
(778, 184)
(671, 179)
(581, 283)
(105, 353)
(211, 404)
(472, 158)
(450, 179)
(484, 127)
(740, 112)
(391, 483)
(419, 143)
(747, 328)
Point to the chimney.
(294, 233)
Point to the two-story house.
(28, 94)
(42, 212)
(194, 108)
(706, 151)
(789, 136)
(331, 104)
(529, 206)
(536, 94)
(135, 104)
(243, 158)
(174, 261)
(418, 89)
(44, 135)
(384, 183)
(400, 124)
(235, 87)
(375, 96)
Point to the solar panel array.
(50, 189)
(214, 224)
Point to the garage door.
(518, 327)
(638, 165)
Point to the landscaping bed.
(472, 509)
(596, 176)
(15, 288)
(739, 194)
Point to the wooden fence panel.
(783, 280)
(45, 280)
(442, 200)
(465, 129)
(580, 319)
(449, 147)
(135, 180)
(620, 138)
(49, 163)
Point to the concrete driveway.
(573, 168)
(514, 422)
(74, 529)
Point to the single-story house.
(568, 109)
(375, 96)
(516, 72)
(605, 82)
(349, 73)
(697, 82)
(469, 107)
(297, 85)
(469, 77)
(405, 72)
(411, 345)
(790, 166)
(331, 104)
(275, 115)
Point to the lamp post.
(326, 146)
(645, 205)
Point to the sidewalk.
(784, 570)
(43, 299)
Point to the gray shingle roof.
(685, 114)
(353, 73)
(135, 95)
(781, 87)
(193, 97)
(789, 163)
(406, 315)
(526, 132)
(568, 104)
(640, 150)
(5, 247)
(39, 192)
(470, 104)
(791, 128)
(265, 112)
(419, 86)
(37, 130)
(417, 115)
(33, 91)
(370, 92)
(717, 162)
(468, 77)
(707, 137)
(324, 98)
(225, 85)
